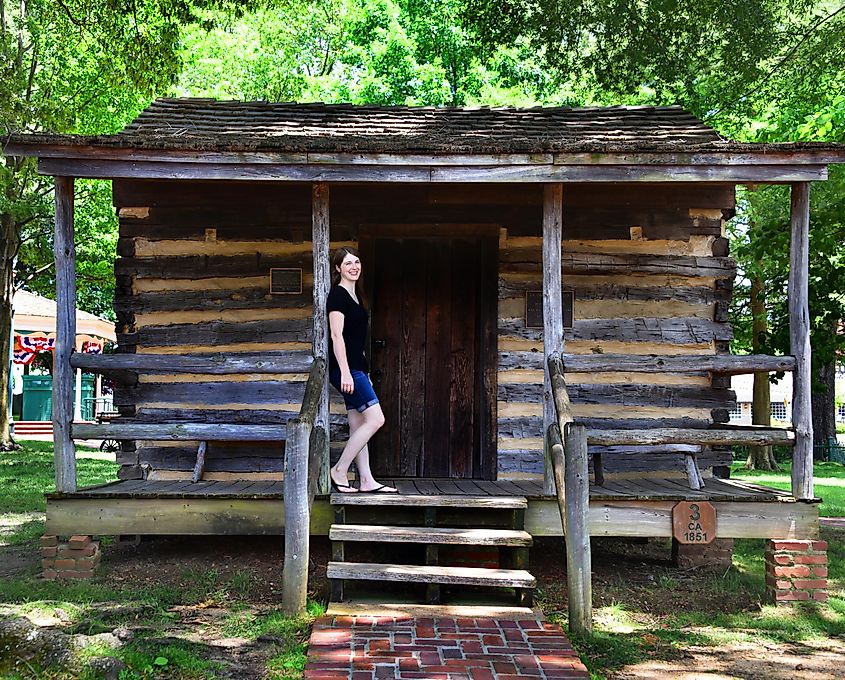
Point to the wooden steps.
(486, 528)
(468, 576)
(439, 535)
(25, 428)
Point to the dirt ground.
(248, 570)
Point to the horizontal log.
(292, 361)
(529, 259)
(225, 332)
(623, 395)
(179, 431)
(208, 266)
(699, 295)
(258, 393)
(161, 459)
(112, 169)
(208, 299)
(528, 427)
(620, 462)
(723, 364)
(725, 437)
(677, 331)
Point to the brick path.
(443, 648)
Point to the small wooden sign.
(285, 281)
(534, 308)
(694, 522)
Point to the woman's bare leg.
(366, 481)
(366, 424)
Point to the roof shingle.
(207, 124)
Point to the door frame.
(485, 461)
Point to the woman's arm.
(336, 320)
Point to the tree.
(71, 66)
(389, 52)
(762, 70)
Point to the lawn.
(204, 612)
(829, 483)
(658, 620)
(207, 607)
(25, 475)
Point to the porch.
(640, 507)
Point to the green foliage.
(389, 52)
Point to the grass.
(25, 476)
(635, 620)
(662, 619)
(160, 648)
(829, 483)
(636, 623)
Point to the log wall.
(647, 264)
(649, 270)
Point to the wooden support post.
(199, 466)
(693, 475)
(297, 517)
(63, 378)
(555, 441)
(799, 341)
(578, 555)
(322, 282)
(552, 308)
(338, 555)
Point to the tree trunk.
(8, 250)
(824, 404)
(760, 457)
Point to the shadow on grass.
(647, 611)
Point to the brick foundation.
(715, 555)
(796, 571)
(77, 558)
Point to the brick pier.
(445, 648)
(796, 571)
(75, 559)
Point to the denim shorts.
(362, 397)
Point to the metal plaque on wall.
(534, 308)
(285, 281)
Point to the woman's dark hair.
(337, 259)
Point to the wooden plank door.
(433, 316)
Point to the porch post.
(320, 224)
(799, 341)
(552, 313)
(77, 394)
(64, 451)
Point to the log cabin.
(549, 293)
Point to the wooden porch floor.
(657, 489)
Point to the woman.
(348, 370)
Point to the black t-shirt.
(355, 319)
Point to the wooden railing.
(572, 484)
(567, 445)
(718, 434)
(306, 466)
(304, 461)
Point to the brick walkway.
(380, 648)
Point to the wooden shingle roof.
(207, 124)
(209, 139)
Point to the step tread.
(479, 576)
(426, 500)
(440, 535)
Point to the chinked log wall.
(650, 275)
(193, 276)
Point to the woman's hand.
(346, 383)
